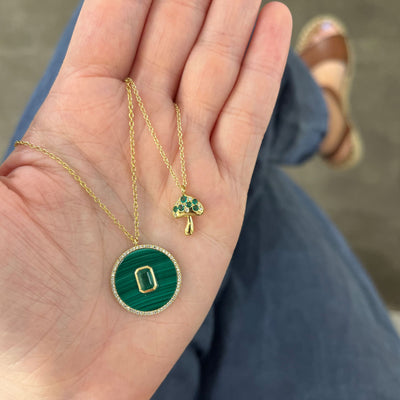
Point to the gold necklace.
(145, 279)
(187, 206)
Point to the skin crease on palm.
(63, 335)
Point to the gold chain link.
(131, 116)
(130, 87)
(83, 184)
(182, 186)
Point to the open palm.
(63, 333)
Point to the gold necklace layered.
(145, 279)
(186, 206)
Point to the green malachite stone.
(167, 280)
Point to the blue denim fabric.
(296, 318)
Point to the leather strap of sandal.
(347, 128)
(332, 48)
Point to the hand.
(63, 333)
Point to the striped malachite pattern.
(125, 286)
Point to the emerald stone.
(180, 207)
(183, 199)
(189, 204)
(175, 209)
(145, 279)
(195, 201)
(195, 208)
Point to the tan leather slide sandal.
(315, 48)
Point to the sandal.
(334, 47)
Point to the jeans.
(296, 316)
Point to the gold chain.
(83, 184)
(131, 87)
(133, 164)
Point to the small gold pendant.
(187, 206)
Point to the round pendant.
(146, 279)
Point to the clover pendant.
(187, 206)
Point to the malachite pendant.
(146, 279)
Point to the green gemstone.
(195, 208)
(181, 207)
(145, 279)
(166, 279)
(183, 199)
(175, 209)
(189, 204)
(195, 201)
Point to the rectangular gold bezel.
(152, 275)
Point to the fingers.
(169, 35)
(246, 114)
(214, 63)
(106, 36)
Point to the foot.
(331, 74)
